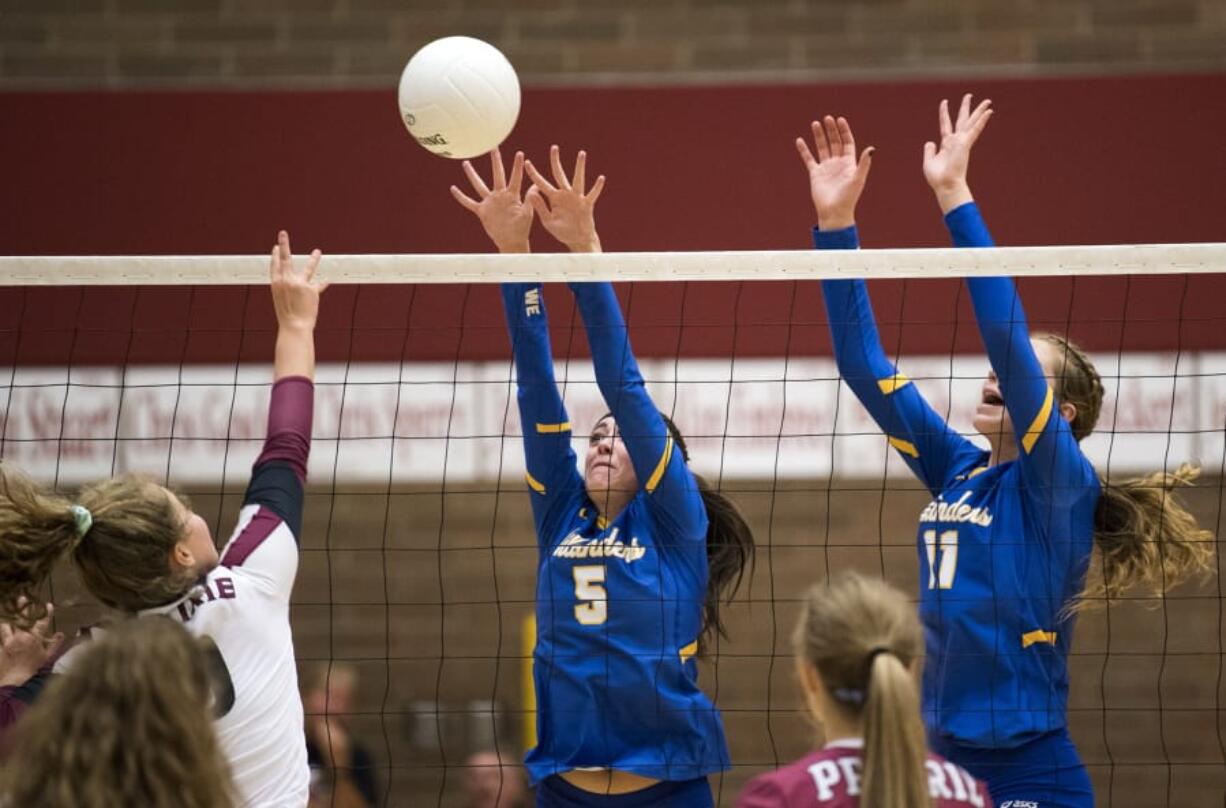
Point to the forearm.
(295, 352)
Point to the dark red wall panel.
(1065, 161)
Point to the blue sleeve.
(1053, 465)
(672, 492)
(933, 451)
(551, 467)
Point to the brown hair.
(730, 547)
(1144, 535)
(124, 557)
(130, 723)
(862, 637)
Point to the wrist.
(589, 245)
(514, 248)
(952, 195)
(835, 220)
(16, 677)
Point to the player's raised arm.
(507, 219)
(921, 437)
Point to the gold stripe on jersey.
(1036, 427)
(976, 472)
(535, 484)
(689, 650)
(553, 429)
(906, 447)
(654, 480)
(893, 384)
(1037, 636)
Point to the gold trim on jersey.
(533, 483)
(893, 384)
(553, 429)
(976, 472)
(689, 651)
(1037, 636)
(654, 480)
(906, 447)
(1036, 427)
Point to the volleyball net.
(418, 556)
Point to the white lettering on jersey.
(825, 776)
(575, 546)
(532, 301)
(210, 590)
(937, 787)
(850, 767)
(940, 511)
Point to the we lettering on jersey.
(832, 776)
(207, 592)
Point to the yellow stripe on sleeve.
(1037, 636)
(906, 447)
(535, 484)
(1040, 421)
(553, 429)
(893, 384)
(689, 651)
(654, 480)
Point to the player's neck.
(838, 728)
(1003, 451)
(610, 504)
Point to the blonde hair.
(130, 723)
(1145, 536)
(862, 636)
(124, 557)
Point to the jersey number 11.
(941, 575)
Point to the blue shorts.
(554, 792)
(1044, 773)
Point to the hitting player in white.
(141, 550)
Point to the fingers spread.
(464, 199)
(849, 141)
(947, 127)
(517, 173)
(819, 140)
(581, 171)
(313, 264)
(475, 179)
(964, 111)
(806, 156)
(538, 180)
(534, 198)
(866, 162)
(597, 187)
(832, 135)
(498, 174)
(555, 163)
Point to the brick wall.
(426, 595)
(339, 43)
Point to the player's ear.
(1068, 411)
(181, 556)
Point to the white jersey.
(243, 606)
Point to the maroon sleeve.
(14, 701)
(761, 792)
(290, 412)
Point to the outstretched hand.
(295, 292)
(24, 652)
(836, 179)
(505, 215)
(945, 166)
(566, 210)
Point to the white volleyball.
(459, 97)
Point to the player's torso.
(260, 725)
(997, 571)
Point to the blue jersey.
(619, 604)
(1003, 549)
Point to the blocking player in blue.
(635, 554)
(1006, 543)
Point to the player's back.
(832, 778)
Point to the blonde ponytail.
(862, 637)
(895, 747)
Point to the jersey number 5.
(941, 575)
(593, 606)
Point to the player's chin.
(991, 421)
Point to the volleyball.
(459, 97)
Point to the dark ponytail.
(730, 548)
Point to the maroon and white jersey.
(830, 778)
(242, 608)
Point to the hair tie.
(83, 518)
(873, 654)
